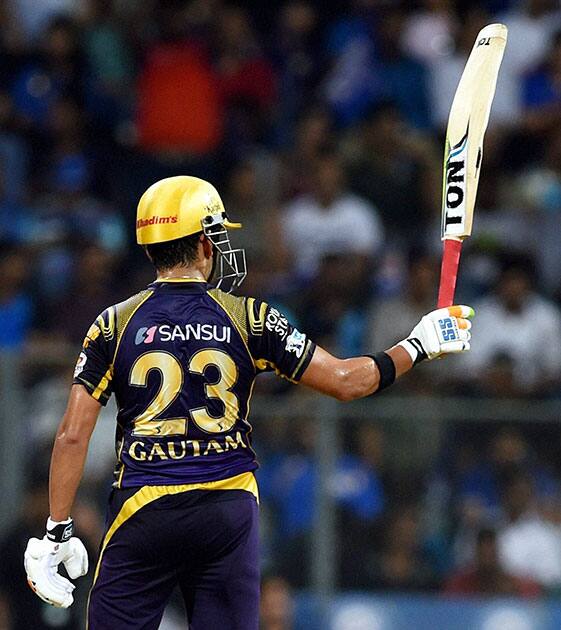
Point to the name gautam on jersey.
(181, 359)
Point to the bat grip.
(449, 272)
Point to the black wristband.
(61, 533)
(386, 368)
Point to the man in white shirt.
(516, 322)
(529, 546)
(329, 220)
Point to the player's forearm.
(349, 379)
(70, 451)
(67, 464)
(363, 377)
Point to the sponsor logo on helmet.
(214, 207)
(156, 221)
(295, 342)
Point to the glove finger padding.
(458, 310)
(76, 559)
(41, 560)
(456, 346)
(464, 335)
(47, 583)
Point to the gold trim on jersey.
(125, 311)
(180, 280)
(256, 324)
(120, 462)
(108, 329)
(303, 358)
(235, 309)
(103, 384)
(264, 364)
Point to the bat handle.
(449, 272)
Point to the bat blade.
(463, 151)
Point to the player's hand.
(41, 560)
(444, 331)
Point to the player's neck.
(190, 272)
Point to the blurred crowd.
(322, 125)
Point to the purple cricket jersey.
(181, 359)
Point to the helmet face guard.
(230, 268)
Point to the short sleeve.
(275, 344)
(94, 366)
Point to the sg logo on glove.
(448, 329)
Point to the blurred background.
(435, 505)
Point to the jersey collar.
(193, 284)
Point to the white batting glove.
(444, 331)
(41, 560)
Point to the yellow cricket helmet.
(180, 206)
(176, 207)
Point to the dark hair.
(181, 251)
(486, 534)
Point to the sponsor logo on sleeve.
(277, 323)
(82, 358)
(296, 342)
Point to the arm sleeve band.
(386, 368)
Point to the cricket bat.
(464, 150)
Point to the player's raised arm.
(444, 331)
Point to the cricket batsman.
(181, 358)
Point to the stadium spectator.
(350, 85)
(334, 306)
(312, 134)
(418, 292)
(277, 607)
(356, 488)
(529, 546)
(539, 192)
(542, 94)
(517, 322)
(179, 104)
(110, 65)
(16, 304)
(402, 564)
(396, 170)
(297, 63)
(429, 31)
(401, 78)
(479, 485)
(247, 81)
(487, 577)
(91, 289)
(532, 22)
(58, 71)
(329, 220)
(508, 452)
